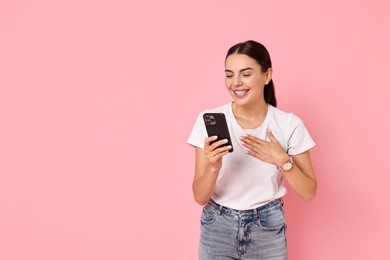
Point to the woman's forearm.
(203, 187)
(302, 184)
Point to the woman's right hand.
(214, 152)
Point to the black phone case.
(216, 125)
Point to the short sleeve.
(300, 140)
(198, 133)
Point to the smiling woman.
(257, 55)
(244, 188)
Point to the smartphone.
(216, 125)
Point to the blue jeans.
(243, 234)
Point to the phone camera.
(210, 120)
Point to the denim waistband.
(255, 212)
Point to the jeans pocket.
(272, 219)
(209, 215)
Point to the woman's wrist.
(214, 170)
(283, 158)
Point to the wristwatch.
(287, 165)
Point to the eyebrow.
(241, 70)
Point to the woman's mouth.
(240, 93)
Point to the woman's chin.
(240, 100)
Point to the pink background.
(98, 98)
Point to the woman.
(241, 191)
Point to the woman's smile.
(241, 93)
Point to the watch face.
(287, 166)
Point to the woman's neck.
(251, 115)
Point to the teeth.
(241, 93)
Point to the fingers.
(268, 151)
(271, 136)
(208, 140)
(215, 149)
(251, 142)
(217, 154)
(253, 154)
(257, 147)
(214, 145)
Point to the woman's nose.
(237, 82)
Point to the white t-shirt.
(245, 182)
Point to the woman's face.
(244, 79)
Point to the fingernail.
(269, 130)
(225, 140)
(215, 137)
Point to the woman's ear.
(268, 76)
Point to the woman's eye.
(246, 75)
(229, 76)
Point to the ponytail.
(269, 93)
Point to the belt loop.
(220, 209)
(282, 201)
(256, 213)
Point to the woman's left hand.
(268, 151)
